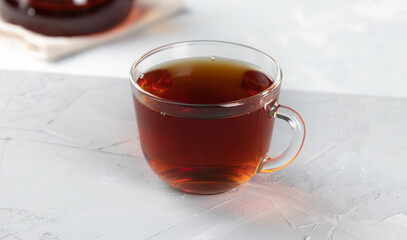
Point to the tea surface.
(204, 81)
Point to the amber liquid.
(65, 17)
(204, 156)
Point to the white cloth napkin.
(144, 13)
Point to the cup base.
(204, 187)
(202, 179)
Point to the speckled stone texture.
(71, 168)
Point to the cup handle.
(297, 124)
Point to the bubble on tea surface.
(156, 81)
(255, 82)
(213, 58)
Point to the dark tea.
(198, 155)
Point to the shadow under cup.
(206, 148)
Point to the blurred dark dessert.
(65, 17)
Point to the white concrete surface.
(71, 168)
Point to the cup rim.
(270, 89)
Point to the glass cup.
(212, 148)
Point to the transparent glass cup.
(212, 148)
